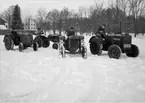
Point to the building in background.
(30, 24)
(3, 24)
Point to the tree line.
(13, 17)
(121, 15)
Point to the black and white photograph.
(72, 51)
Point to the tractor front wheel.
(96, 48)
(35, 46)
(62, 51)
(84, 52)
(21, 47)
(55, 46)
(114, 51)
(134, 51)
(9, 44)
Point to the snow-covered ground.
(45, 77)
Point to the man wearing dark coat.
(101, 30)
(39, 32)
(71, 32)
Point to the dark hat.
(104, 25)
(71, 28)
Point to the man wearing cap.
(39, 32)
(101, 30)
(71, 32)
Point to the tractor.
(42, 40)
(115, 44)
(21, 39)
(73, 44)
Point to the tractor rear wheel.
(96, 48)
(114, 51)
(9, 43)
(134, 51)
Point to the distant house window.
(30, 24)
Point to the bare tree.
(7, 15)
(27, 20)
(122, 8)
(95, 15)
(27, 17)
(136, 7)
(53, 17)
(41, 19)
(123, 5)
(83, 12)
(65, 15)
(142, 9)
(41, 15)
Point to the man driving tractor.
(39, 32)
(101, 31)
(71, 32)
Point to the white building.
(30, 24)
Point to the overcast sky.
(33, 5)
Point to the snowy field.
(45, 77)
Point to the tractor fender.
(94, 39)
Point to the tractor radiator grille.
(127, 39)
(26, 39)
(73, 43)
